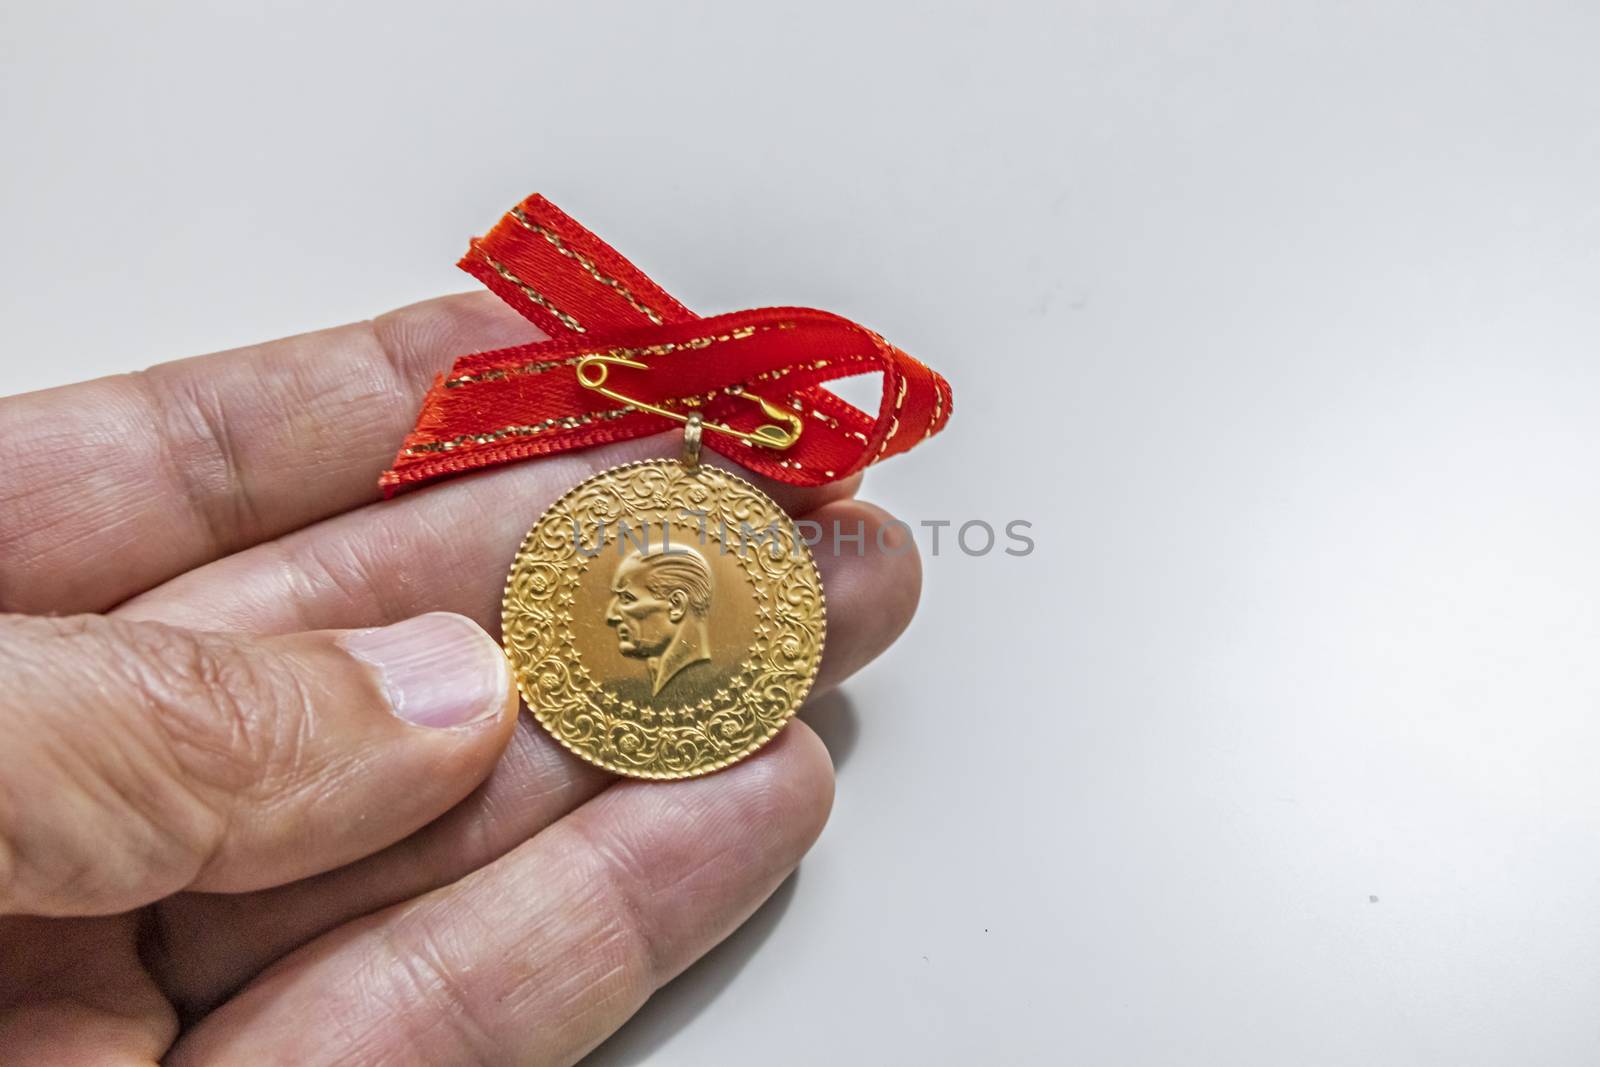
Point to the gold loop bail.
(691, 440)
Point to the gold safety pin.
(768, 435)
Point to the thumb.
(141, 759)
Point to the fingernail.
(439, 670)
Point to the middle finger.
(448, 544)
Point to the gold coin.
(663, 620)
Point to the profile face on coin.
(663, 621)
(660, 607)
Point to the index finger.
(109, 487)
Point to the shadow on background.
(833, 717)
(692, 992)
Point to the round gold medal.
(664, 619)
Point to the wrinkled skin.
(217, 843)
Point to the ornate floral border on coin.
(779, 665)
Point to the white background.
(1281, 323)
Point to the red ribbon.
(514, 403)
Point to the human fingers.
(538, 957)
(444, 548)
(142, 759)
(210, 943)
(112, 486)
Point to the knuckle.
(198, 455)
(74, 702)
(226, 712)
(621, 925)
(8, 865)
(160, 732)
(427, 979)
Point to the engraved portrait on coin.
(660, 608)
(663, 621)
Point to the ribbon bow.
(626, 360)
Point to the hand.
(265, 796)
